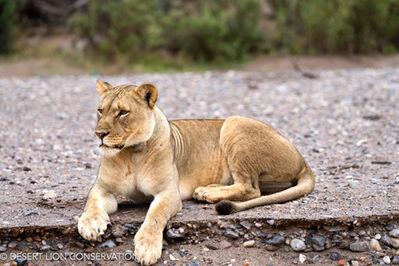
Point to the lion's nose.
(102, 134)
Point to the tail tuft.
(225, 207)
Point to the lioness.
(147, 158)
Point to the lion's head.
(125, 115)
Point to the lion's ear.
(148, 92)
(102, 87)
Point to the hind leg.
(241, 164)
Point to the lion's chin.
(109, 151)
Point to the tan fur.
(148, 158)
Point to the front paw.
(93, 223)
(147, 246)
(205, 194)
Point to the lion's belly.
(198, 174)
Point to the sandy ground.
(344, 122)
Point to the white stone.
(301, 258)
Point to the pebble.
(355, 263)
(335, 256)
(225, 244)
(297, 244)
(375, 245)
(395, 242)
(231, 234)
(395, 260)
(276, 240)
(45, 248)
(108, 244)
(386, 260)
(377, 236)
(318, 242)
(394, 233)
(3, 249)
(12, 244)
(359, 246)
(211, 246)
(60, 246)
(249, 243)
(29, 212)
(49, 194)
(174, 234)
(271, 247)
(341, 262)
(301, 258)
(270, 222)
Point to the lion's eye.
(100, 112)
(123, 113)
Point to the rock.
(335, 256)
(174, 234)
(276, 240)
(341, 262)
(377, 236)
(29, 212)
(316, 258)
(171, 257)
(12, 244)
(394, 233)
(108, 244)
(301, 258)
(344, 244)
(20, 262)
(247, 225)
(375, 245)
(271, 247)
(211, 246)
(249, 243)
(45, 248)
(231, 234)
(225, 244)
(395, 260)
(386, 240)
(318, 242)
(359, 246)
(395, 242)
(270, 222)
(3, 249)
(386, 260)
(60, 246)
(355, 263)
(297, 244)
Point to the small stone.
(395, 260)
(271, 247)
(171, 257)
(246, 225)
(258, 225)
(377, 236)
(45, 247)
(249, 243)
(29, 212)
(375, 245)
(359, 246)
(12, 244)
(297, 244)
(335, 256)
(386, 260)
(20, 262)
(225, 244)
(3, 249)
(108, 244)
(270, 222)
(117, 230)
(211, 246)
(60, 246)
(355, 263)
(394, 233)
(173, 234)
(341, 262)
(301, 258)
(318, 242)
(276, 240)
(231, 234)
(395, 242)
(49, 194)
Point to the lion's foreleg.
(94, 220)
(148, 240)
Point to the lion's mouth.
(119, 147)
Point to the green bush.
(8, 14)
(336, 26)
(214, 30)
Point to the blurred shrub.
(336, 26)
(8, 14)
(203, 30)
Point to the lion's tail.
(305, 185)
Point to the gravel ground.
(345, 123)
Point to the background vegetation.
(206, 31)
